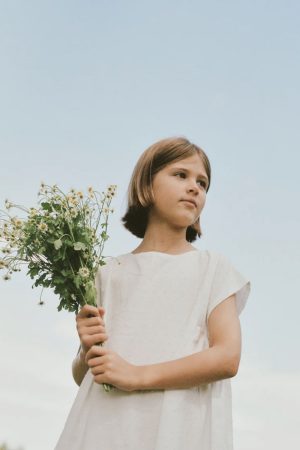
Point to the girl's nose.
(193, 187)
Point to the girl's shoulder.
(218, 256)
(111, 261)
(213, 257)
(107, 264)
(219, 263)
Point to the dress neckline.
(164, 253)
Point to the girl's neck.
(160, 237)
(164, 248)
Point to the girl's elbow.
(75, 378)
(233, 363)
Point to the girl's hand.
(108, 367)
(90, 327)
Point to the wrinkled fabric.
(157, 308)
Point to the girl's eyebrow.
(186, 170)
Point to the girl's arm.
(79, 367)
(221, 360)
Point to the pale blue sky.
(85, 87)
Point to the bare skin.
(109, 367)
(91, 330)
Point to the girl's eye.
(202, 182)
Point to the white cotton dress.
(157, 306)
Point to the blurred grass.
(4, 446)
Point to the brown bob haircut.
(140, 194)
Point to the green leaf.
(51, 240)
(104, 236)
(58, 280)
(57, 257)
(60, 306)
(90, 293)
(56, 206)
(66, 273)
(46, 206)
(77, 281)
(40, 280)
(33, 271)
(47, 283)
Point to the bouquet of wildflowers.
(61, 241)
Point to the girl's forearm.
(79, 367)
(212, 364)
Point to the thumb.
(101, 310)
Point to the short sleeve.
(227, 280)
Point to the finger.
(92, 321)
(92, 330)
(95, 350)
(89, 322)
(101, 310)
(98, 370)
(96, 362)
(89, 341)
(100, 379)
(88, 310)
(99, 338)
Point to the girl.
(171, 335)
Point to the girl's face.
(173, 185)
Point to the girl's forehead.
(192, 163)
